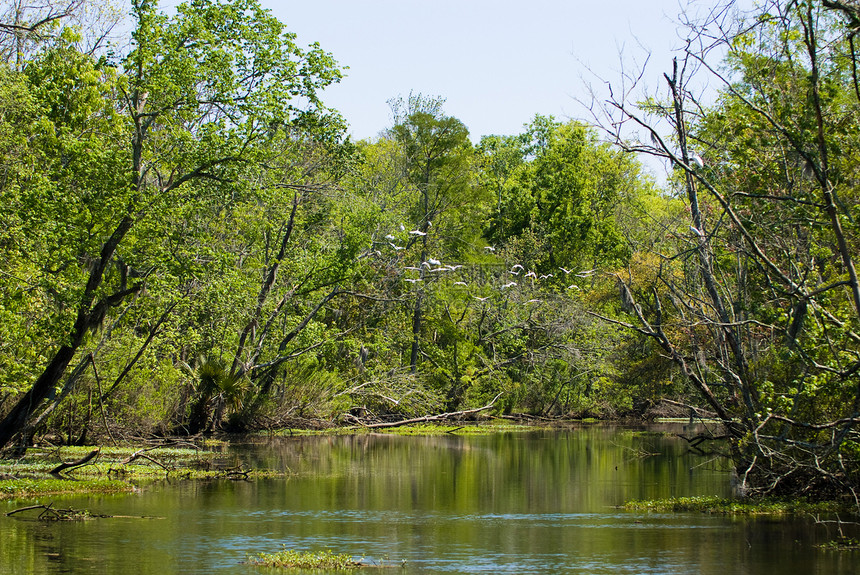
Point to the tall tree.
(559, 185)
(438, 161)
(756, 296)
(198, 95)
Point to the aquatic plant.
(35, 487)
(292, 559)
(722, 505)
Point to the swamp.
(526, 501)
(232, 336)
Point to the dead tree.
(743, 300)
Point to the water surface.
(536, 502)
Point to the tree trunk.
(90, 316)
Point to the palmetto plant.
(218, 390)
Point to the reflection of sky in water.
(513, 503)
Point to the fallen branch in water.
(50, 514)
(141, 454)
(83, 461)
(236, 473)
(426, 418)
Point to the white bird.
(480, 298)
(460, 283)
(573, 286)
(531, 275)
(417, 233)
(534, 301)
(545, 276)
(455, 268)
(402, 228)
(490, 248)
(395, 246)
(585, 274)
(413, 268)
(697, 231)
(509, 284)
(566, 271)
(512, 272)
(516, 266)
(434, 262)
(413, 280)
(389, 237)
(697, 159)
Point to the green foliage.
(557, 183)
(30, 487)
(709, 504)
(291, 559)
(134, 177)
(194, 198)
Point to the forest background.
(190, 242)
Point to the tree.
(438, 156)
(28, 27)
(195, 101)
(558, 184)
(756, 299)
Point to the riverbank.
(55, 471)
(124, 468)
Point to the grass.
(468, 429)
(29, 477)
(471, 428)
(724, 506)
(29, 487)
(290, 559)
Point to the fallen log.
(49, 513)
(82, 461)
(427, 418)
(141, 454)
(28, 508)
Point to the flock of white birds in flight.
(434, 266)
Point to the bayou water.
(524, 502)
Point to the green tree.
(559, 185)
(438, 160)
(195, 101)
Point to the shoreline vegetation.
(48, 470)
(727, 506)
(118, 469)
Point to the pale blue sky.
(497, 63)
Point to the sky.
(496, 62)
